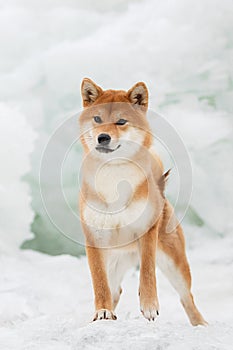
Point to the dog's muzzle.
(103, 149)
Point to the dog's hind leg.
(116, 297)
(118, 263)
(172, 261)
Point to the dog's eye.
(97, 119)
(121, 122)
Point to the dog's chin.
(103, 149)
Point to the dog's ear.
(90, 92)
(138, 94)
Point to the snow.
(183, 51)
(47, 302)
(16, 139)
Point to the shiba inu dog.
(125, 216)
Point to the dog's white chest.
(115, 184)
(120, 227)
(118, 217)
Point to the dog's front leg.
(147, 290)
(103, 299)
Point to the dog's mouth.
(103, 149)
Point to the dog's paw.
(150, 309)
(104, 314)
(198, 321)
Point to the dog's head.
(113, 123)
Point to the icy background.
(183, 50)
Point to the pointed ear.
(90, 92)
(138, 94)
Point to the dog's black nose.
(104, 139)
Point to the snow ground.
(47, 302)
